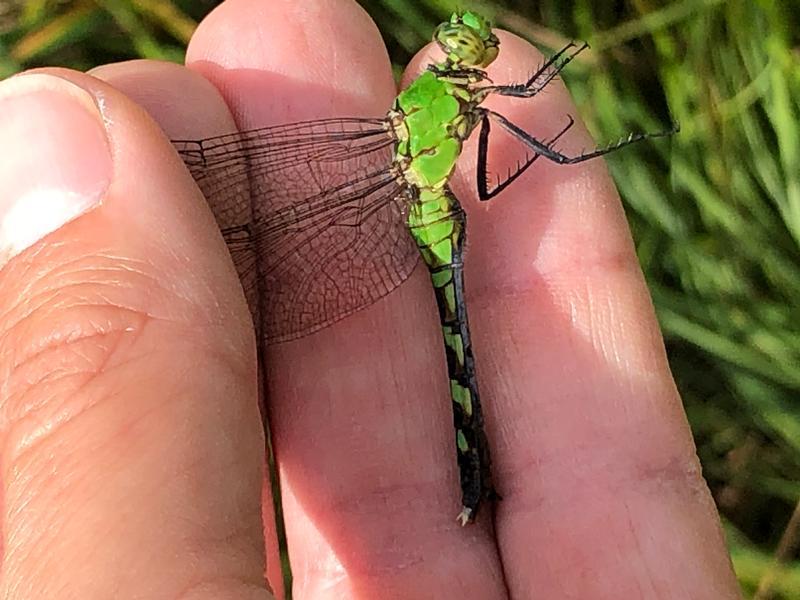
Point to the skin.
(140, 474)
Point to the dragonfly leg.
(482, 173)
(549, 153)
(541, 77)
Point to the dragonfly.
(325, 217)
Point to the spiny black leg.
(549, 63)
(542, 77)
(483, 152)
(554, 59)
(484, 193)
(542, 148)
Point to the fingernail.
(56, 161)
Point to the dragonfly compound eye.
(466, 45)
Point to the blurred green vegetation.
(715, 214)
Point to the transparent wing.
(312, 215)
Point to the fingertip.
(285, 61)
(183, 102)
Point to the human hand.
(132, 452)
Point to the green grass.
(715, 214)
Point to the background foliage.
(715, 215)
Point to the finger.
(187, 106)
(360, 411)
(130, 438)
(602, 491)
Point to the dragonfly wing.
(312, 215)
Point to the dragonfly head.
(467, 39)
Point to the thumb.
(131, 443)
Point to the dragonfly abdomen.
(437, 225)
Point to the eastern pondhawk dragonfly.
(326, 217)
